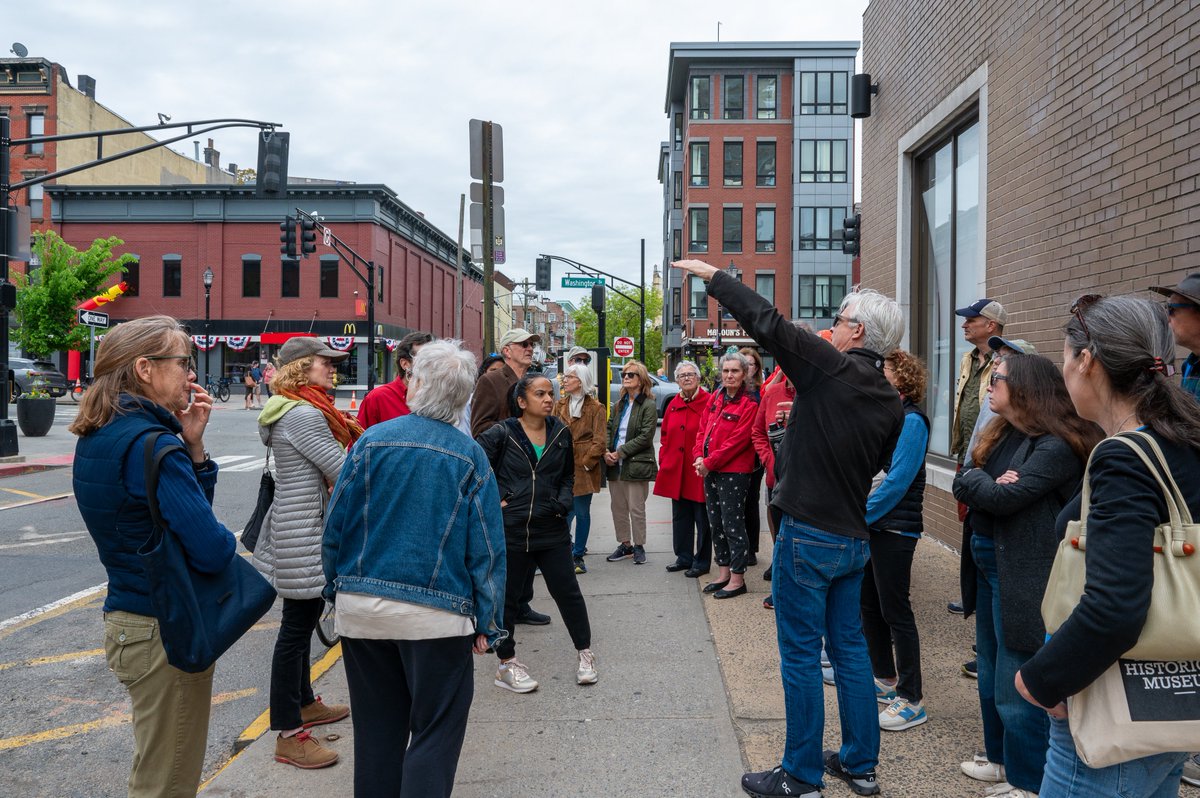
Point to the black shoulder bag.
(266, 496)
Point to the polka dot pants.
(725, 499)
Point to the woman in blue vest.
(145, 384)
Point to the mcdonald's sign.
(349, 329)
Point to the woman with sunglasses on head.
(585, 418)
(1116, 361)
(1027, 465)
(145, 385)
(630, 460)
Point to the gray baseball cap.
(1015, 344)
(1189, 287)
(517, 336)
(305, 346)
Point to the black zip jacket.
(539, 493)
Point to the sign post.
(91, 319)
(623, 346)
(576, 281)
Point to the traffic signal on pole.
(851, 235)
(272, 163)
(287, 235)
(308, 236)
(598, 297)
(542, 276)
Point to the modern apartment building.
(757, 175)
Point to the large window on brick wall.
(700, 97)
(289, 277)
(734, 96)
(698, 230)
(764, 163)
(251, 275)
(764, 230)
(946, 265)
(733, 163)
(172, 281)
(731, 229)
(37, 127)
(698, 163)
(698, 298)
(329, 277)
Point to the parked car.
(663, 391)
(24, 373)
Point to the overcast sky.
(381, 92)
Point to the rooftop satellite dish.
(19, 50)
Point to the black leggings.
(558, 569)
(753, 511)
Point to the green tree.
(246, 177)
(48, 294)
(622, 318)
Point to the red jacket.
(726, 427)
(776, 392)
(387, 401)
(680, 425)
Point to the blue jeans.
(1067, 777)
(1015, 732)
(816, 583)
(581, 513)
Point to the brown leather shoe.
(319, 713)
(303, 751)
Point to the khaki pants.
(628, 501)
(170, 708)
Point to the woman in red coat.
(724, 457)
(677, 479)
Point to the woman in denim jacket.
(418, 580)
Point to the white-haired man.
(843, 426)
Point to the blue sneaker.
(884, 692)
(902, 714)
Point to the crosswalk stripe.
(231, 458)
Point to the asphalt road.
(64, 726)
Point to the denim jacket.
(415, 517)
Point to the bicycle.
(218, 389)
(79, 388)
(325, 627)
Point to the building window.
(676, 307)
(731, 229)
(37, 195)
(698, 302)
(37, 127)
(698, 160)
(676, 245)
(698, 230)
(289, 277)
(734, 105)
(379, 281)
(251, 276)
(765, 160)
(329, 276)
(679, 131)
(821, 228)
(172, 275)
(133, 276)
(764, 284)
(700, 99)
(764, 230)
(823, 161)
(822, 93)
(820, 294)
(947, 269)
(733, 163)
(767, 95)
(677, 189)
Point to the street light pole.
(208, 281)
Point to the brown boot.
(318, 713)
(303, 751)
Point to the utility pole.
(458, 272)
(8, 295)
(489, 255)
(642, 329)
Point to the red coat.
(774, 393)
(680, 425)
(726, 426)
(387, 401)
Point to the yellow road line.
(25, 493)
(233, 695)
(62, 732)
(73, 655)
(38, 500)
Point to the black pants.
(526, 593)
(725, 498)
(558, 569)
(691, 537)
(291, 683)
(887, 614)
(411, 700)
(753, 514)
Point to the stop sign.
(623, 346)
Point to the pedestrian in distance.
(257, 374)
(268, 375)
(585, 418)
(145, 384)
(390, 400)
(630, 460)
(307, 437)
(251, 386)
(418, 581)
(533, 457)
(677, 480)
(724, 458)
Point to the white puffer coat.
(304, 454)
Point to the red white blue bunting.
(342, 343)
(391, 343)
(205, 342)
(237, 342)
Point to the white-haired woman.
(586, 419)
(418, 581)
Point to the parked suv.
(663, 391)
(24, 373)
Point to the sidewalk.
(689, 695)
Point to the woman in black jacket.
(533, 457)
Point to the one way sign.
(92, 318)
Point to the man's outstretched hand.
(696, 267)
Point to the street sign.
(477, 165)
(92, 318)
(477, 193)
(576, 281)
(623, 346)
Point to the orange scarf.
(345, 427)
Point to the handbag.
(1148, 702)
(266, 496)
(199, 615)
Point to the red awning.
(279, 338)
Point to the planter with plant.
(35, 410)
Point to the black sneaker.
(621, 553)
(955, 608)
(971, 669)
(580, 568)
(751, 560)
(767, 574)
(861, 783)
(531, 617)
(778, 783)
(639, 555)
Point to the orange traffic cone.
(354, 400)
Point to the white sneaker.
(587, 668)
(513, 676)
(902, 714)
(981, 769)
(1191, 771)
(1003, 788)
(1016, 792)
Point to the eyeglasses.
(838, 318)
(185, 361)
(628, 375)
(995, 378)
(1078, 306)
(1174, 306)
(687, 375)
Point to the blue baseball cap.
(988, 308)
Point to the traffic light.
(851, 235)
(272, 163)
(598, 297)
(287, 235)
(308, 236)
(542, 276)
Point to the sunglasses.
(1174, 306)
(185, 361)
(838, 318)
(1079, 305)
(995, 378)
(628, 375)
